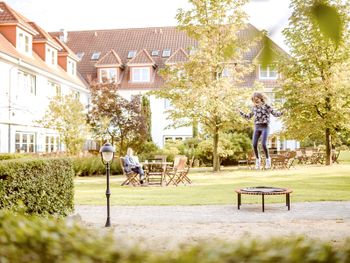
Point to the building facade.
(132, 58)
(34, 67)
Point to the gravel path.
(165, 227)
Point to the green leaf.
(328, 20)
(266, 53)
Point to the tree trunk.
(195, 129)
(328, 147)
(216, 161)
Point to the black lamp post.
(107, 155)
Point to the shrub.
(35, 239)
(92, 165)
(45, 186)
(9, 156)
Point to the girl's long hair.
(259, 95)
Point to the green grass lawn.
(309, 183)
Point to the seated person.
(131, 164)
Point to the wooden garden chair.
(174, 174)
(183, 176)
(131, 177)
(290, 158)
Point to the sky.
(271, 15)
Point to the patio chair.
(131, 177)
(183, 176)
(161, 157)
(174, 174)
(335, 156)
(290, 158)
(155, 171)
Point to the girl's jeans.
(260, 129)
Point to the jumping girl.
(261, 112)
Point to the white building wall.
(159, 121)
(26, 108)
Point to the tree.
(115, 118)
(315, 78)
(66, 115)
(207, 88)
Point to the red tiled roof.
(10, 16)
(110, 58)
(65, 49)
(179, 55)
(153, 38)
(43, 36)
(143, 57)
(7, 48)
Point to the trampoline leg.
(263, 203)
(239, 200)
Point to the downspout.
(9, 104)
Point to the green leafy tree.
(67, 115)
(207, 88)
(315, 84)
(114, 118)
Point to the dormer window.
(24, 42)
(80, 55)
(141, 74)
(95, 56)
(155, 53)
(268, 72)
(108, 75)
(166, 52)
(71, 67)
(131, 53)
(51, 56)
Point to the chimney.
(95, 34)
(160, 31)
(155, 30)
(64, 36)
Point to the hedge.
(9, 156)
(44, 186)
(35, 239)
(92, 165)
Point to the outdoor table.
(155, 168)
(263, 190)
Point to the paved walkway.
(166, 227)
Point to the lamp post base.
(108, 222)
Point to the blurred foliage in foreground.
(35, 239)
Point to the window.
(141, 74)
(51, 143)
(155, 52)
(95, 55)
(269, 72)
(25, 142)
(80, 55)
(166, 52)
(132, 54)
(192, 51)
(26, 82)
(55, 88)
(226, 73)
(71, 67)
(26, 44)
(50, 56)
(76, 95)
(167, 103)
(108, 75)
